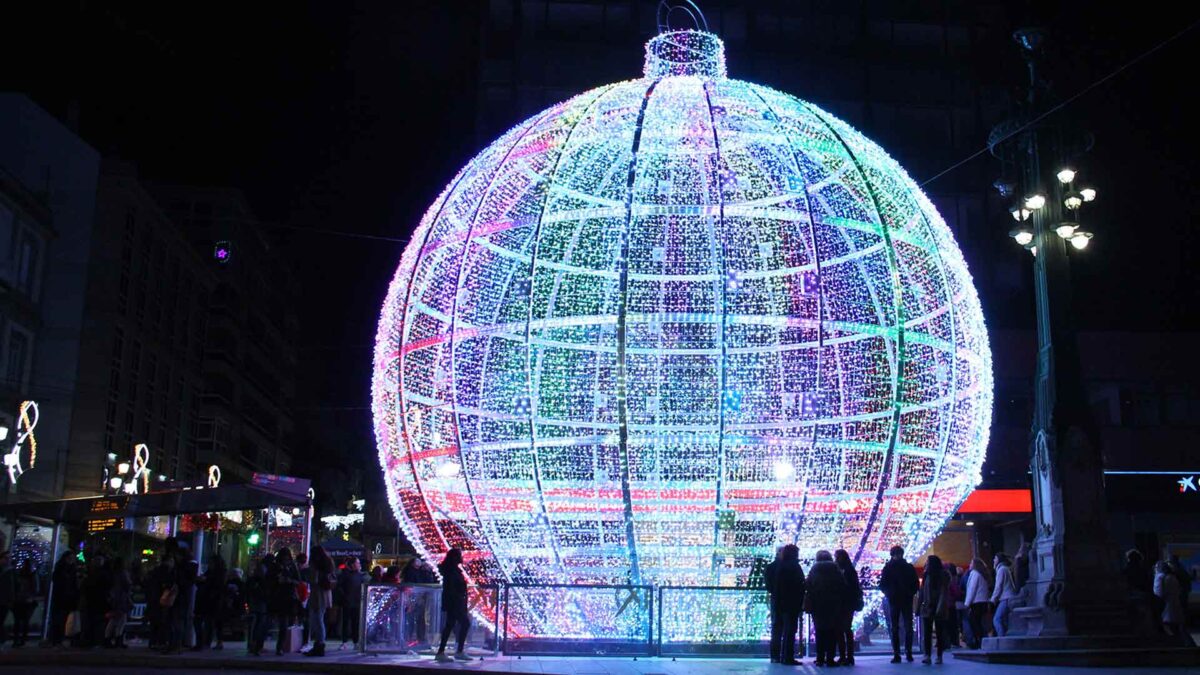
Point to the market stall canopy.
(264, 491)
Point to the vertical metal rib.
(635, 574)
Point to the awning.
(258, 495)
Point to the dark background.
(341, 121)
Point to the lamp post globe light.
(1074, 593)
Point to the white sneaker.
(462, 656)
(443, 657)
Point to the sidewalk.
(347, 661)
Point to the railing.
(714, 621)
(576, 619)
(407, 618)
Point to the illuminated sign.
(998, 501)
(103, 524)
(27, 419)
(1188, 483)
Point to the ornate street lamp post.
(1074, 589)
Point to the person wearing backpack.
(1006, 593)
(851, 603)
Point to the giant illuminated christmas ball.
(659, 329)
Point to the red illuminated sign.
(998, 501)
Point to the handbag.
(73, 627)
(167, 599)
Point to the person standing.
(8, 593)
(1166, 587)
(96, 586)
(210, 604)
(281, 583)
(979, 589)
(1005, 594)
(64, 596)
(769, 575)
(788, 596)
(28, 590)
(454, 604)
(1185, 581)
(898, 581)
(955, 590)
(852, 602)
(826, 591)
(257, 603)
(350, 583)
(120, 603)
(934, 607)
(320, 599)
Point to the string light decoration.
(660, 329)
(27, 420)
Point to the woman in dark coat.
(935, 606)
(826, 591)
(454, 604)
(852, 602)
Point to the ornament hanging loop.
(667, 7)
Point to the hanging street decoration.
(27, 419)
(214, 476)
(664, 327)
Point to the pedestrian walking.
(979, 589)
(934, 607)
(852, 602)
(454, 604)
(350, 583)
(320, 579)
(787, 583)
(28, 591)
(826, 592)
(898, 581)
(120, 603)
(1166, 587)
(1005, 594)
(64, 595)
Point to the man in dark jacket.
(349, 584)
(769, 575)
(899, 584)
(787, 582)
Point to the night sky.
(352, 116)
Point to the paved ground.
(138, 661)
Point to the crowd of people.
(830, 593)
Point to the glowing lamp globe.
(664, 327)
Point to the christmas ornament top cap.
(685, 52)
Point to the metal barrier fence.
(408, 619)
(578, 619)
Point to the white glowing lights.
(666, 326)
(27, 420)
(1035, 202)
(1065, 176)
(1088, 194)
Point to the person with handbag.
(935, 606)
(852, 602)
(321, 581)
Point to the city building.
(140, 378)
(246, 421)
(58, 172)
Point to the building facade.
(60, 171)
(141, 376)
(246, 417)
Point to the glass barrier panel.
(408, 619)
(711, 620)
(553, 619)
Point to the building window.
(27, 265)
(16, 363)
